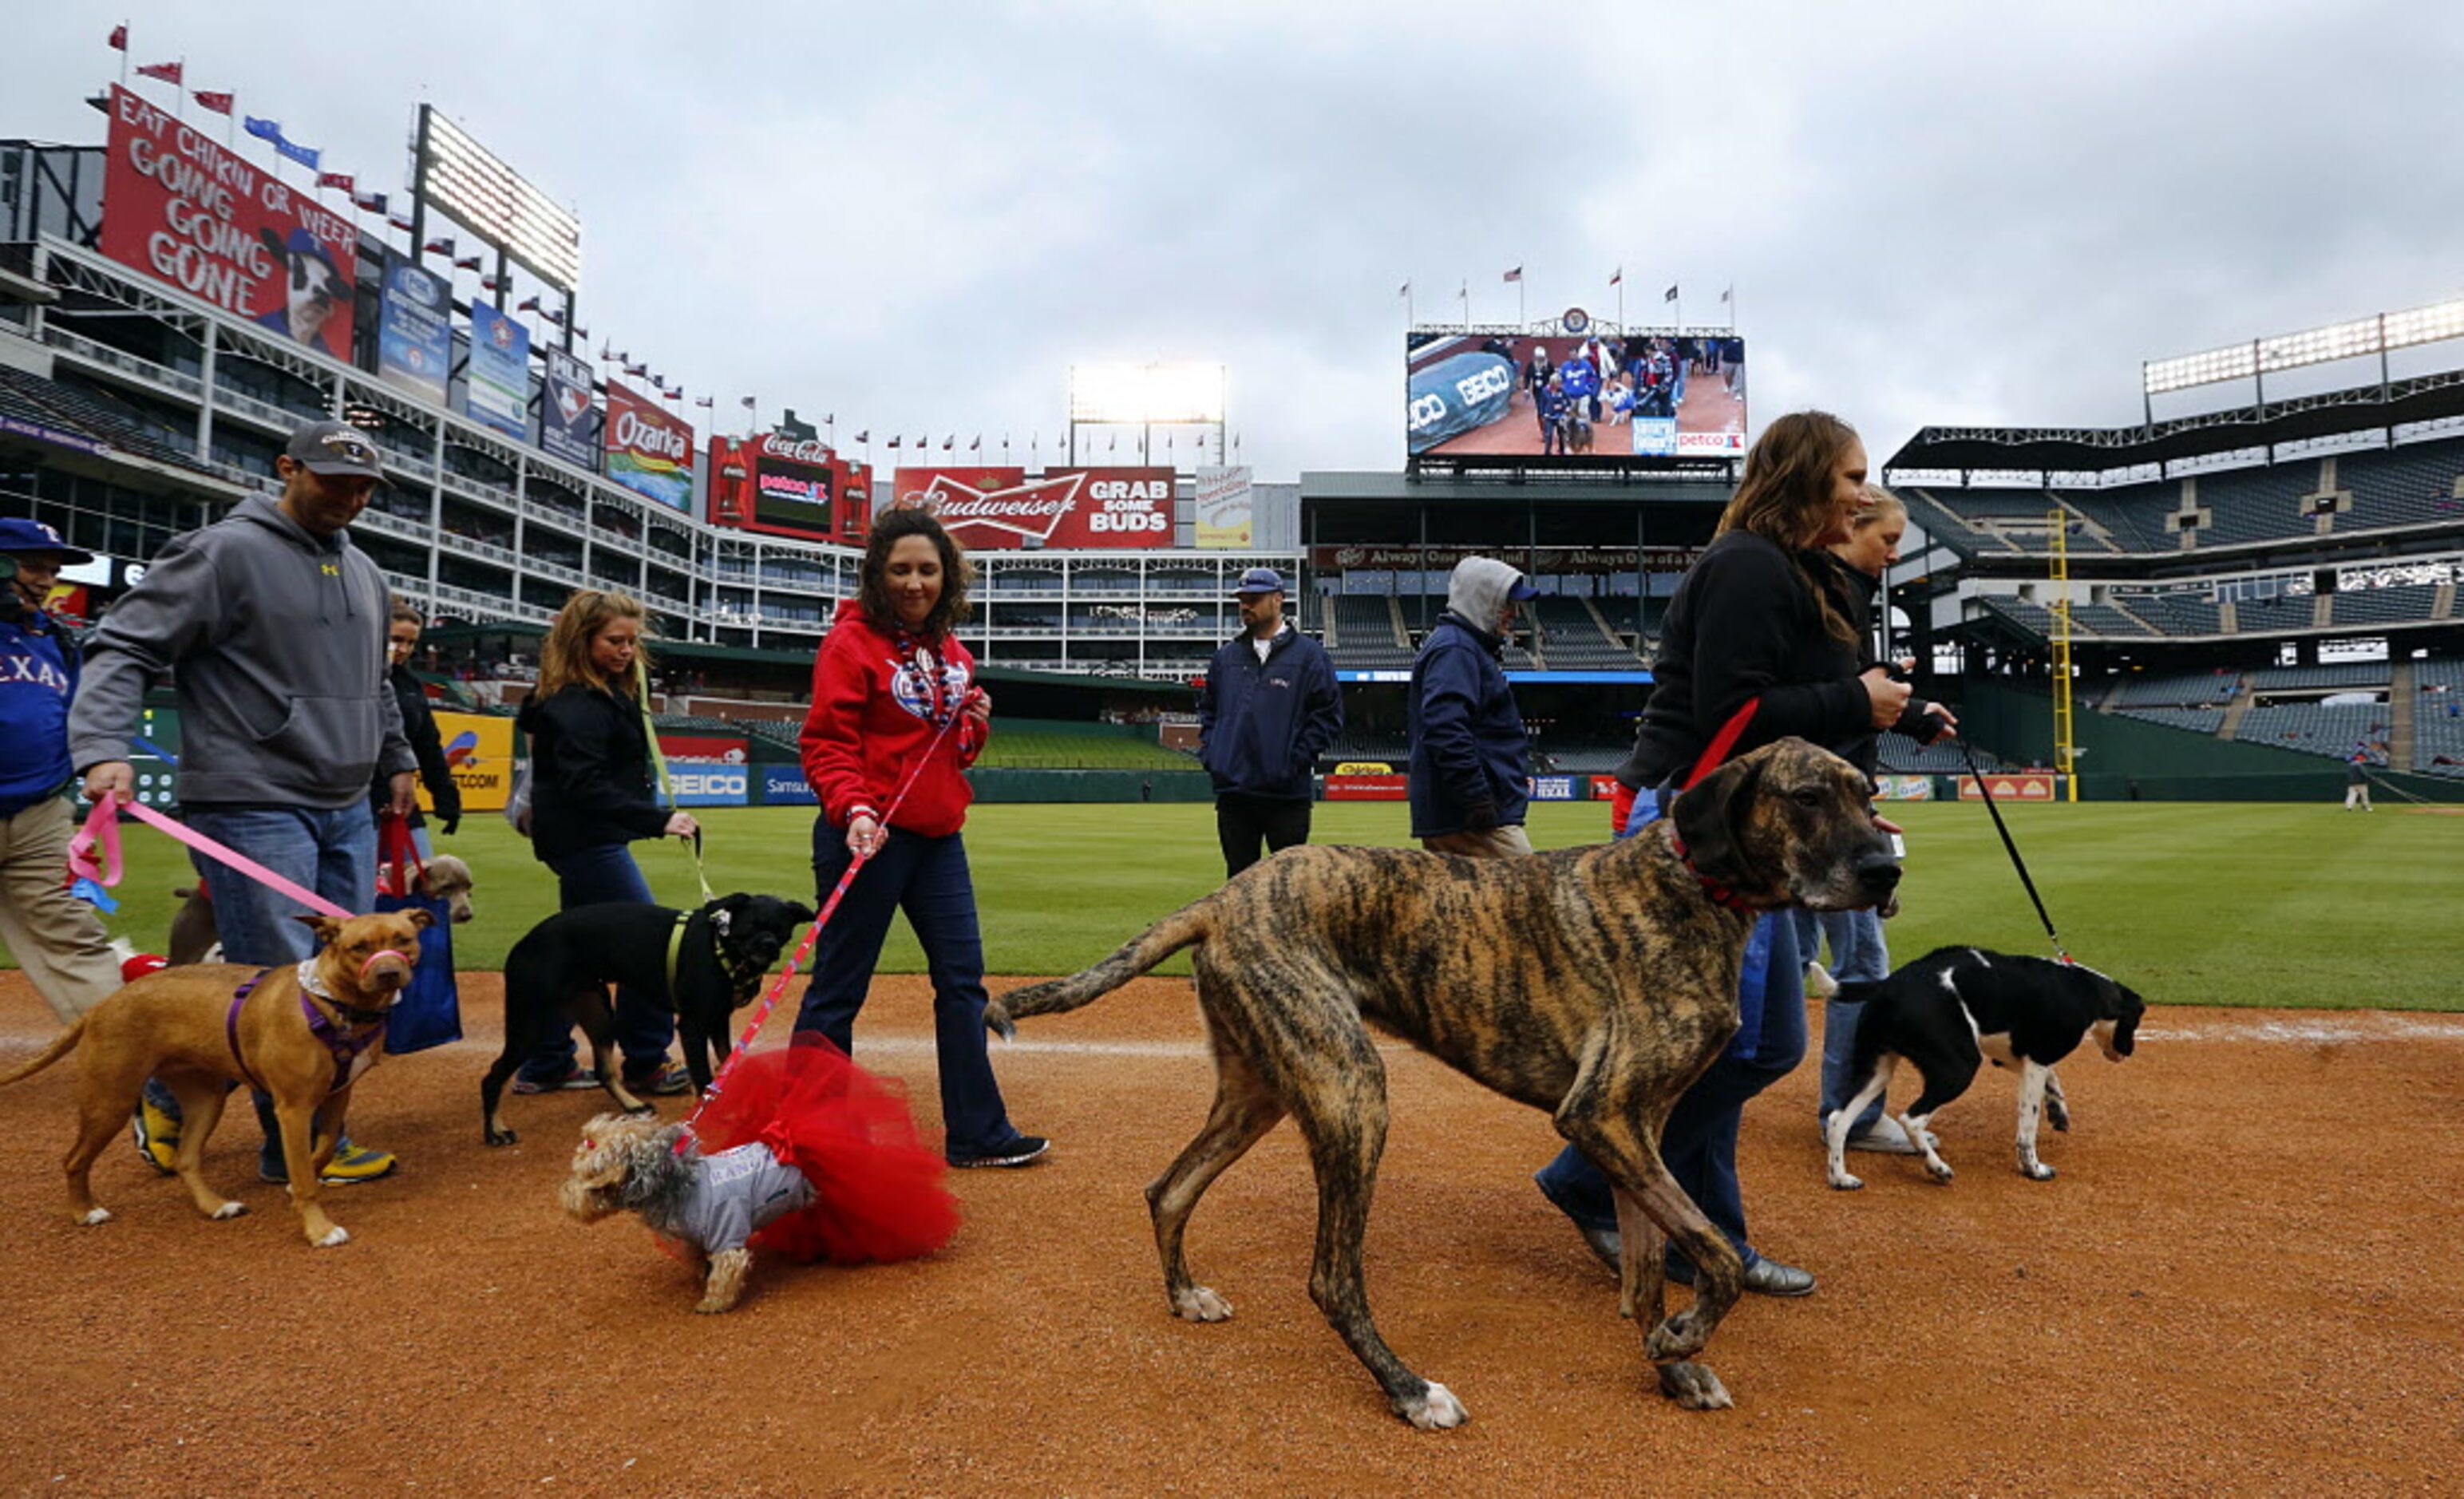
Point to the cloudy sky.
(918, 218)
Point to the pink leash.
(101, 830)
(804, 949)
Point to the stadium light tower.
(1147, 396)
(2261, 358)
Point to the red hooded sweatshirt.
(879, 697)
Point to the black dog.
(702, 965)
(1957, 1005)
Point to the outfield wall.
(2127, 760)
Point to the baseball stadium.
(2176, 650)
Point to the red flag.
(1617, 280)
(894, 442)
(437, 247)
(863, 436)
(120, 37)
(341, 179)
(400, 221)
(978, 444)
(527, 304)
(468, 263)
(207, 98)
(369, 202)
(167, 72)
(949, 442)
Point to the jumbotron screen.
(1645, 393)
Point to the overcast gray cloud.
(917, 218)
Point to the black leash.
(2016, 862)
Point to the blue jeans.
(1858, 954)
(332, 852)
(927, 880)
(593, 876)
(1699, 1144)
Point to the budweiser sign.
(1001, 509)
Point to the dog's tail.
(61, 1045)
(1187, 927)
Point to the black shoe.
(1603, 1242)
(1023, 1151)
(1764, 1277)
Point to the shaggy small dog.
(786, 1121)
(709, 1204)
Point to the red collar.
(1717, 893)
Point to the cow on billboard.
(1068, 509)
(181, 208)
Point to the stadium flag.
(1515, 275)
(120, 37)
(530, 303)
(893, 444)
(637, 371)
(218, 103)
(488, 283)
(437, 247)
(705, 403)
(1670, 295)
(399, 221)
(1116, 444)
(978, 446)
(747, 403)
(949, 442)
(369, 202)
(341, 179)
(167, 72)
(262, 129)
(468, 263)
(307, 155)
(1616, 277)
(1404, 290)
(1729, 295)
(865, 436)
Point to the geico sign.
(708, 782)
(1494, 381)
(631, 431)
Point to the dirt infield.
(2245, 1280)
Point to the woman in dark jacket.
(1755, 620)
(591, 794)
(418, 726)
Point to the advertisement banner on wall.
(565, 411)
(479, 752)
(2022, 785)
(497, 385)
(1340, 787)
(648, 451)
(181, 209)
(715, 749)
(415, 329)
(1903, 788)
(998, 509)
(711, 785)
(1223, 509)
(778, 485)
(784, 785)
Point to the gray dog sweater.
(735, 1195)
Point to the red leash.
(804, 949)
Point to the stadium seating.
(2329, 676)
(2315, 728)
(95, 414)
(1054, 744)
(2189, 689)
(2197, 721)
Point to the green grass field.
(2191, 903)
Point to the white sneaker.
(1819, 983)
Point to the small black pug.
(702, 965)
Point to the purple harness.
(344, 1045)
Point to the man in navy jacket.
(55, 938)
(1268, 710)
(1470, 759)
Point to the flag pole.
(127, 42)
(1522, 318)
(1465, 293)
(181, 91)
(1621, 286)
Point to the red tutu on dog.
(877, 1192)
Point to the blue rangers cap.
(1260, 580)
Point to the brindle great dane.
(1598, 983)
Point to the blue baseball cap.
(19, 535)
(1260, 580)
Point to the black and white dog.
(1957, 1005)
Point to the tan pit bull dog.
(1597, 983)
(303, 1033)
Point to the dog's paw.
(1694, 1387)
(503, 1136)
(712, 1306)
(1843, 1182)
(334, 1237)
(1199, 1304)
(2036, 1171)
(2058, 1116)
(227, 1210)
(1940, 1169)
(93, 1216)
(1437, 1410)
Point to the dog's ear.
(1711, 818)
(799, 913)
(2131, 1006)
(325, 926)
(420, 916)
(734, 904)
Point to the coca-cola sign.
(648, 451)
(1077, 509)
(786, 488)
(808, 451)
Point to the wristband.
(860, 810)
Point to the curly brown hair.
(872, 582)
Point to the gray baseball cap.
(335, 448)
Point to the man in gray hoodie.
(272, 629)
(1470, 759)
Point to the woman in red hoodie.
(893, 688)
